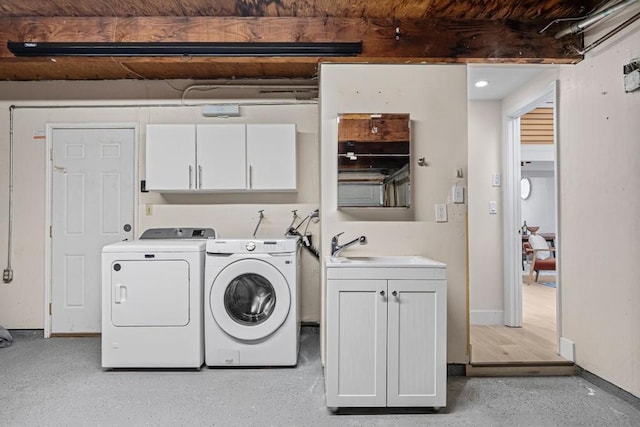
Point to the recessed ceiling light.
(482, 83)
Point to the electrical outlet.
(7, 275)
(496, 180)
(441, 212)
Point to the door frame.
(48, 240)
(512, 243)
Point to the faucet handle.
(337, 235)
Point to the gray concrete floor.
(59, 382)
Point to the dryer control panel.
(178, 233)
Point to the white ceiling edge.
(503, 79)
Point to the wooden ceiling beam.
(418, 40)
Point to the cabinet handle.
(199, 176)
(250, 176)
(382, 293)
(190, 176)
(395, 294)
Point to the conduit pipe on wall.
(600, 7)
(7, 274)
(597, 17)
(208, 87)
(610, 34)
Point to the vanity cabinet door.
(356, 367)
(171, 157)
(417, 367)
(271, 157)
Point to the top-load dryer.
(152, 298)
(252, 302)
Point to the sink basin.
(381, 261)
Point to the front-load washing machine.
(252, 302)
(152, 293)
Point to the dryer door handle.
(121, 293)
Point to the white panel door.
(356, 366)
(171, 157)
(150, 293)
(271, 157)
(221, 153)
(417, 369)
(92, 204)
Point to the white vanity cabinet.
(221, 157)
(386, 334)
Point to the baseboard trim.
(609, 387)
(567, 349)
(520, 370)
(76, 335)
(486, 317)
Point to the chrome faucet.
(336, 248)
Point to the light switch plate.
(441, 212)
(493, 207)
(496, 180)
(457, 194)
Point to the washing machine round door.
(250, 299)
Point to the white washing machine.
(152, 297)
(252, 313)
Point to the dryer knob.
(250, 246)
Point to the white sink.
(381, 261)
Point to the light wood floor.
(535, 342)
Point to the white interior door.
(92, 204)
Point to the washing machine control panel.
(257, 246)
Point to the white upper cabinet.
(171, 157)
(221, 157)
(271, 157)
(224, 157)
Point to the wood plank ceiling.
(408, 31)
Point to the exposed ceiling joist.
(392, 31)
(384, 40)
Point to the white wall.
(436, 98)
(485, 230)
(600, 212)
(22, 301)
(539, 210)
(599, 179)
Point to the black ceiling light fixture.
(185, 49)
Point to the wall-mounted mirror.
(373, 160)
(525, 188)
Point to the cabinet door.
(271, 157)
(417, 339)
(171, 157)
(356, 366)
(221, 157)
